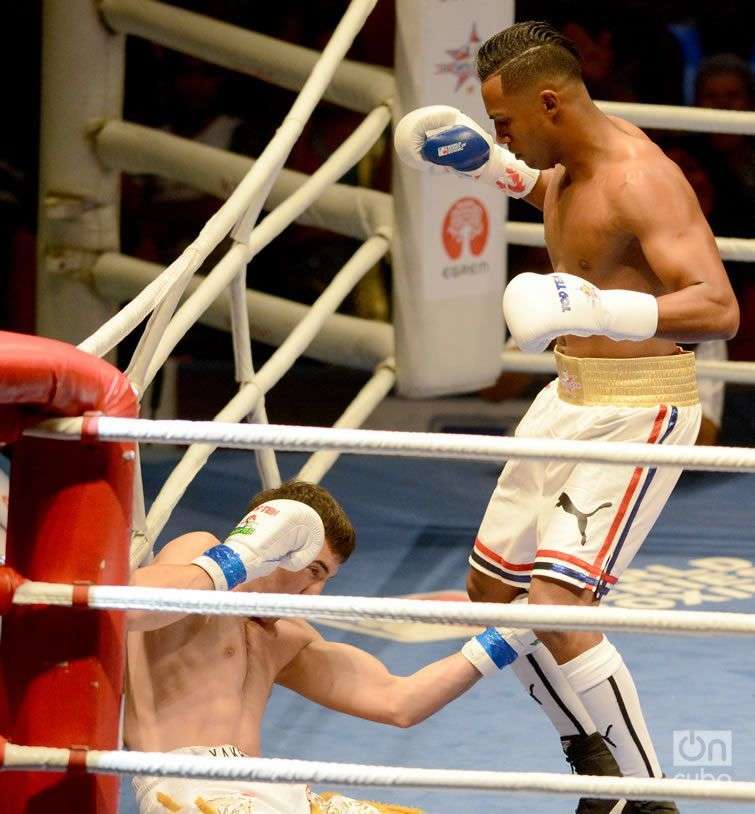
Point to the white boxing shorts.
(154, 795)
(582, 523)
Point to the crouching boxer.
(636, 270)
(200, 684)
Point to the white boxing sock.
(603, 682)
(546, 684)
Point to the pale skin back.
(206, 680)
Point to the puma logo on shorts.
(529, 528)
(565, 502)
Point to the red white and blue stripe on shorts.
(559, 565)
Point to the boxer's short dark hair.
(338, 529)
(526, 52)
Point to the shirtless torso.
(584, 238)
(617, 212)
(206, 680)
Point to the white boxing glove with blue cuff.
(497, 647)
(277, 534)
(440, 137)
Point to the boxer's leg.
(597, 674)
(601, 517)
(500, 571)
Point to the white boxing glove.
(540, 307)
(277, 534)
(502, 169)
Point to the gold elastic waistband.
(639, 382)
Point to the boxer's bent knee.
(482, 588)
(564, 645)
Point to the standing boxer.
(636, 270)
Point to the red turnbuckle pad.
(9, 581)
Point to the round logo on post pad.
(465, 228)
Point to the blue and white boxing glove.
(440, 136)
(276, 534)
(497, 647)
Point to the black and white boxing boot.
(650, 807)
(588, 754)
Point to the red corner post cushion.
(62, 670)
(42, 378)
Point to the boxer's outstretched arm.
(350, 680)
(658, 207)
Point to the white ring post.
(449, 257)
(82, 83)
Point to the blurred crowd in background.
(691, 53)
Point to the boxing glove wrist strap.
(509, 173)
(629, 314)
(224, 567)
(489, 652)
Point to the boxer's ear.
(550, 101)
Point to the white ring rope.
(345, 340)
(133, 148)
(235, 210)
(347, 210)
(356, 86)
(674, 117)
(39, 758)
(405, 444)
(359, 608)
(533, 234)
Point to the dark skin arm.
(657, 206)
(537, 195)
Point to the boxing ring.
(175, 298)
